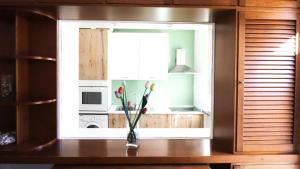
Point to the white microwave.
(93, 98)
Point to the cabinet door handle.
(241, 82)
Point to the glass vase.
(132, 139)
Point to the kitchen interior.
(39, 107)
(97, 57)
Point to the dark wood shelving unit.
(37, 102)
(28, 54)
(37, 58)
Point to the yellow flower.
(152, 87)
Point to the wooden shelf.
(27, 103)
(42, 58)
(36, 58)
(33, 145)
(37, 102)
(8, 103)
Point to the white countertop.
(113, 110)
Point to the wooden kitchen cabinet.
(268, 105)
(156, 121)
(172, 121)
(206, 2)
(187, 121)
(117, 121)
(93, 54)
(270, 3)
(268, 166)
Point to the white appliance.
(87, 120)
(93, 96)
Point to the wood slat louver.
(268, 85)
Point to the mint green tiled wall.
(179, 88)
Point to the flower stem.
(138, 109)
(126, 101)
(126, 113)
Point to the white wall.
(68, 60)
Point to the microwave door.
(93, 98)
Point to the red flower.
(144, 110)
(121, 90)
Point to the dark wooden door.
(267, 81)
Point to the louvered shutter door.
(266, 84)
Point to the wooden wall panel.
(297, 89)
(224, 81)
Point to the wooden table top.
(191, 151)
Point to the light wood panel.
(266, 90)
(93, 54)
(117, 121)
(156, 121)
(187, 121)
